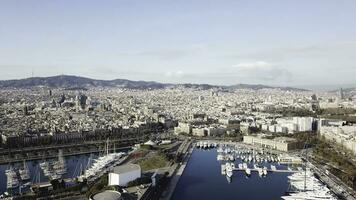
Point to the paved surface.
(177, 171)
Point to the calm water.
(202, 179)
(72, 163)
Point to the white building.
(304, 123)
(272, 128)
(281, 129)
(123, 174)
(183, 128)
(294, 125)
(343, 135)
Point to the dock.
(248, 170)
(268, 170)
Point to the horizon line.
(305, 87)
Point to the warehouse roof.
(126, 168)
(107, 195)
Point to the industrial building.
(123, 174)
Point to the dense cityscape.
(47, 124)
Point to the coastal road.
(335, 184)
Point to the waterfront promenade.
(177, 171)
(334, 183)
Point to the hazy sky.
(285, 42)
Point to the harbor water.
(202, 179)
(72, 163)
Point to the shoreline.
(177, 174)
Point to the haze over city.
(308, 44)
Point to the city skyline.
(305, 44)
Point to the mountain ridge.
(71, 81)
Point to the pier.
(228, 169)
(268, 170)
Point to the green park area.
(153, 161)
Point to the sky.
(275, 42)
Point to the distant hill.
(259, 87)
(351, 89)
(77, 82)
(65, 81)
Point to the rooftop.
(126, 168)
(107, 195)
(284, 139)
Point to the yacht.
(232, 165)
(264, 171)
(223, 169)
(229, 169)
(231, 157)
(309, 196)
(100, 164)
(12, 180)
(248, 171)
(244, 166)
(260, 172)
(307, 187)
(220, 157)
(229, 174)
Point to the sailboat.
(24, 172)
(59, 166)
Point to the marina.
(202, 179)
(27, 176)
(220, 171)
(227, 170)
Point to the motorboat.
(229, 174)
(223, 169)
(248, 171)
